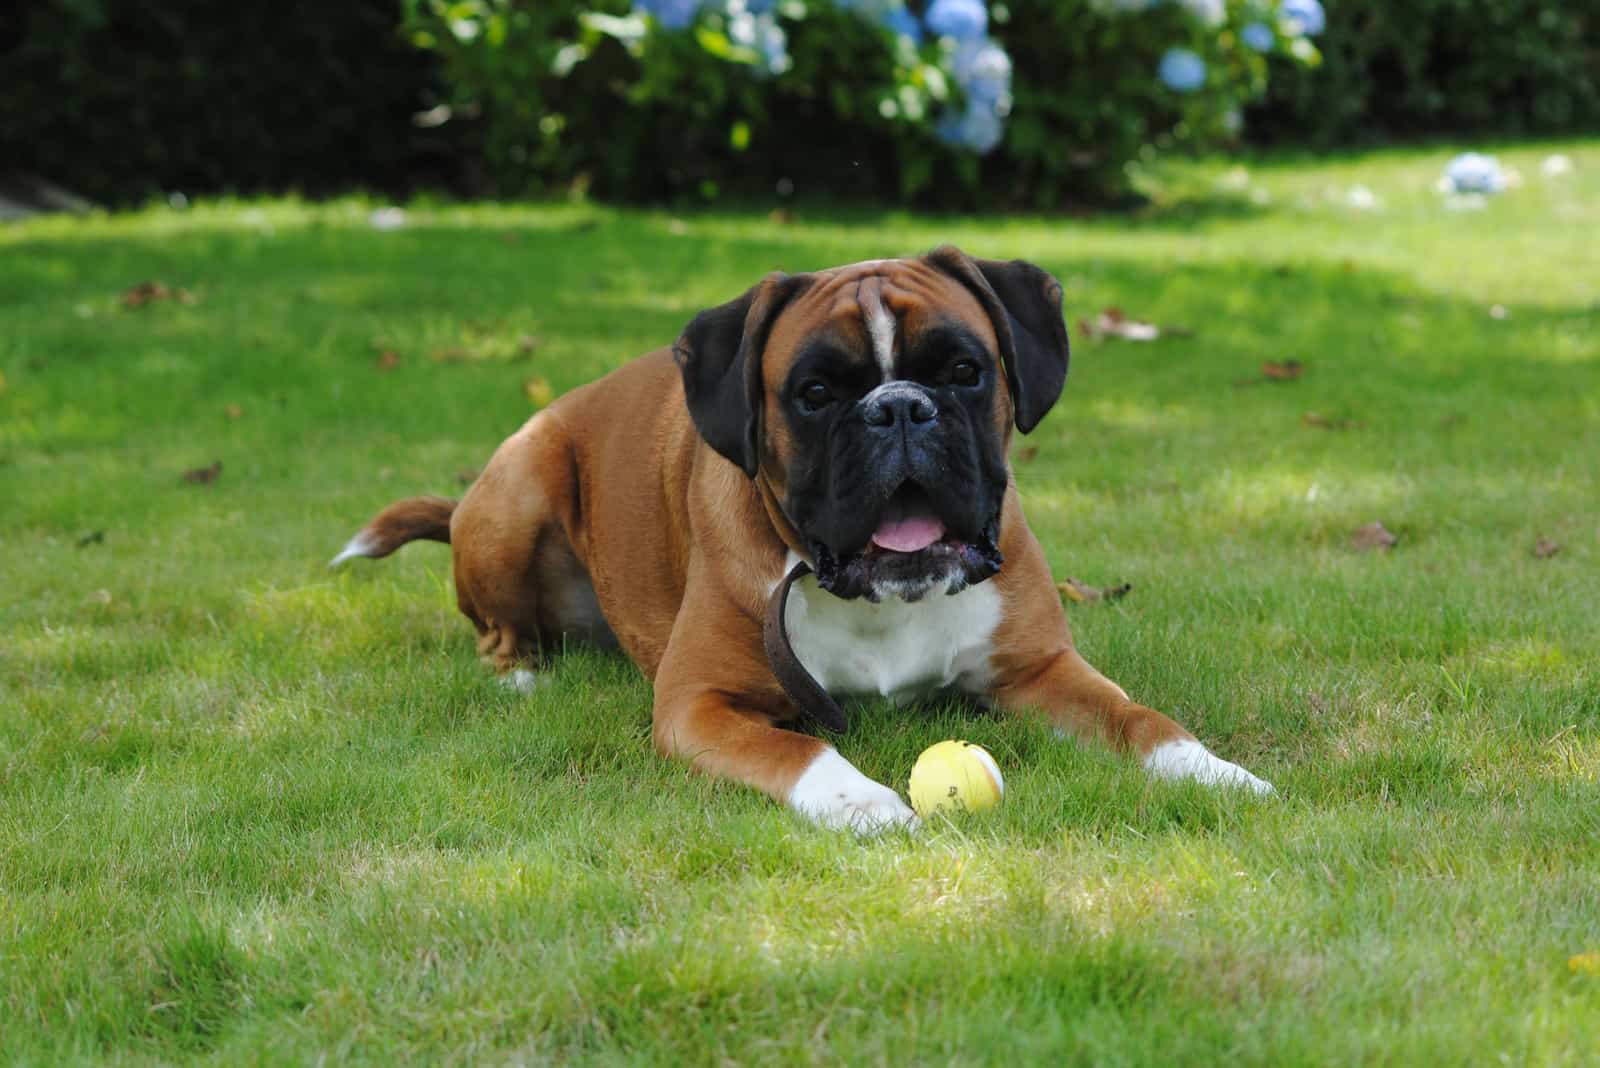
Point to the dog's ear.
(719, 354)
(1024, 303)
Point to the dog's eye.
(815, 395)
(966, 373)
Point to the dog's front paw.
(1188, 759)
(832, 793)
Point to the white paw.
(833, 794)
(521, 680)
(1188, 759)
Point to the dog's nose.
(905, 406)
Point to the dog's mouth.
(909, 523)
(910, 553)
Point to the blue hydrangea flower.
(762, 35)
(1181, 70)
(964, 20)
(983, 70)
(1473, 172)
(903, 22)
(671, 14)
(1259, 37)
(1304, 16)
(976, 127)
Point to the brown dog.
(855, 420)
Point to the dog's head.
(877, 402)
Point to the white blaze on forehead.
(880, 324)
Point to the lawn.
(254, 810)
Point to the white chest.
(892, 648)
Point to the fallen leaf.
(782, 216)
(1114, 322)
(387, 360)
(204, 476)
(539, 392)
(1322, 422)
(232, 411)
(1584, 963)
(1082, 593)
(1544, 548)
(137, 296)
(1027, 454)
(449, 354)
(1373, 536)
(1284, 371)
(467, 476)
(94, 537)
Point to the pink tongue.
(908, 535)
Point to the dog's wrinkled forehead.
(871, 311)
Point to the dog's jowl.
(841, 435)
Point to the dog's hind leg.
(517, 577)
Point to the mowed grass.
(251, 810)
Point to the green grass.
(251, 810)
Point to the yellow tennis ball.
(955, 777)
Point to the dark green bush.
(118, 99)
(1410, 68)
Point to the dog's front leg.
(716, 704)
(1036, 671)
(1081, 701)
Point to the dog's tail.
(409, 520)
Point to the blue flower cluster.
(1183, 70)
(979, 66)
(671, 14)
(982, 70)
(751, 25)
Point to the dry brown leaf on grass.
(1114, 322)
(387, 360)
(233, 411)
(1275, 371)
(1027, 454)
(1373, 537)
(1545, 548)
(204, 476)
(137, 296)
(1083, 593)
(1323, 422)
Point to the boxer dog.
(806, 496)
